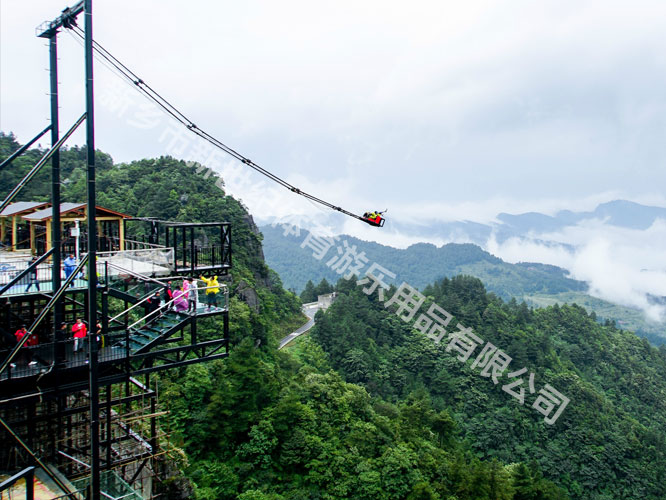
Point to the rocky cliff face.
(248, 295)
(260, 275)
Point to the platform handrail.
(26, 271)
(226, 294)
(47, 308)
(146, 244)
(145, 299)
(134, 273)
(37, 460)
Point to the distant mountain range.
(418, 265)
(423, 263)
(620, 213)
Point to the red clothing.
(19, 335)
(80, 330)
(33, 339)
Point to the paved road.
(309, 310)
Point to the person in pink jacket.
(180, 300)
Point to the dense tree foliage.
(369, 408)
(608, 443)
(271, 425)
(311, 292)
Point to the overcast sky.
(433, 109)
(448, 109)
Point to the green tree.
(309, 294)
(422, 491)
(523, 484)
(323, 287)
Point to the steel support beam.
(92, 254)
(23, 148)
(40, 164)
(56, 228)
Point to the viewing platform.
(134, 337)
(52, 358)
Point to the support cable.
(40, 164)
(174, 112)
(22, 149)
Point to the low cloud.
(620, 265)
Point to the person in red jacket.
(26, 354)
(20, 333)
(80, 331)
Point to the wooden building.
(32, 222)
(14, 230)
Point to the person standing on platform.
(212, 289)
(99, 338)
(70, 265)
(180, 300)
(25, 354)
(33, 341)
(34, 280)
(186, 288)
(167, 295)
(192, 296)
(80, 331)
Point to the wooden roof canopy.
(72, 210)
(33, 216)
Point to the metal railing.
(113, 487)
(140, 245)
(28, 475)
(39, 279)
(145, 261)
(35, 459)
(137, 263)
(142, 302)
(165, 307)
(195, 257)
(42, 359)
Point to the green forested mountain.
(423, 263)
(270, 425)
(369, 409)
(418, 265)
(609, 443)
(627, 318)
(162, 187)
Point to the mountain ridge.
(423, 263)
(418, 265)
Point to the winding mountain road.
(309, 310)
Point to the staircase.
(141, 286)
(154, 328)
(157, 331)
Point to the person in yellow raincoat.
(212, 289)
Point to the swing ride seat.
(377, 221)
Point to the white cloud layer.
(416, 102)
(620, 265)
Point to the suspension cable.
(175, 113)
